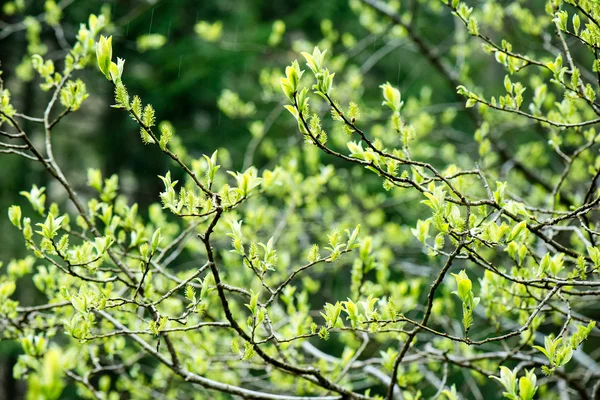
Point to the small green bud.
(392, 97)
(104, 55)
(14, 214)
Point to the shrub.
(293, 281)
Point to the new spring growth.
(315, 61)
(527, 384)
(104, 54)
(559, 351)
(299, 99)
(112, 71)
(465, 293)
(14, 215)
(324, 77)
(289, 84)
(392, 97)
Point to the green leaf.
(576, 23)
(518, 231)
(527, 385)
(104, 55)
(594, 254)
(14, 215)
(508, 379)
(156, 239)
(392, 97)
